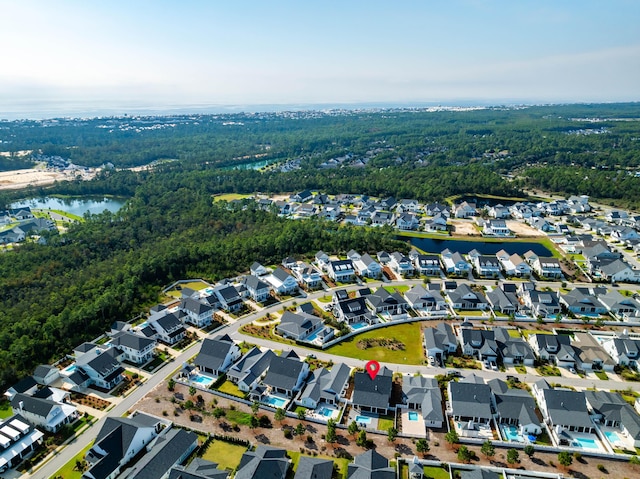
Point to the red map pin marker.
(372, 368)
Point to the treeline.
(112, 267)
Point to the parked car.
(572, 370)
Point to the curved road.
(48, 469)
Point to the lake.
(76, 206)
(437, 245)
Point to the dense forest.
(113, 266)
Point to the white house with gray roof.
(286, 375)
(250, 368)
(426, 302)
(423, 394)
(196, 312)
(367, 267)
(326, 386)
(18, 439)
(555, 348)
(298, 326)
(620, 306)
(47, 414)
(342, 271)
(135, 348)
(564, 409)
(466, 299)
(624, 350)
(515, 407)
(611, 410)
(440, 341)
(513, 350)
(217, 355)
(258, 290)
(470, 406)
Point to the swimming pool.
(584, 443)
(326, 412)
(511, 433)
(413, 416)
(70, 369)
(359, 325)
(612, 437)
(274, 401)
(202, 380)
(363, 419)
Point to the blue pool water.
(612, 436)
(326, 412)
(363, 419)
(70, 369)
(274, 401)
(413, 416)
(203, 380)
(313, 336)
(359, 325)
(584, 443)
(511, 433)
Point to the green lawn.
(238, 417)
(228, 387)
(435, 472)
(227, 455)
(529, 332)
(400, 288)
(342, 464)
(67, 471)
(514, 333)
(628, 395)
(5, 409)
(409, 334)
(195, 285)
(325, 299)
(385, 422)
(547, 370)
(521, 369)
(601, 375)
(230, 197)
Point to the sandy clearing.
(464, 228)
(13, 180)
(523, 229)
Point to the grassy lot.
(67, 214)
(529, 332)
(436, 472)
(195, 285)
(628, 395)
(521, 369)
(238, 417)
(228, 387)
(409, 334)
(5, 409)
(547, 370)
(227, 455)
(156, 362)
(400, 289)
(385, 422)
(601, 375)
(325, 299)
(230, 197)
(67, 471)
(458, 362)
(514, 333)
(342, 464)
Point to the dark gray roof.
(470, 399)
(480, 474)
(281, 274)
(131, 340)
(42, 371)
(198, 468)
(296, 324)
(24, 384)
(567, 408)
(103, 363)
(283, 372)
(195, 306)
(265, 463)
(39, 407)
(373, 393)
(255, 283)
(213, 352)
(314, 468)
(382, 298)
(370, 465)
(165, 454)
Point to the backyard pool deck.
(415, 427)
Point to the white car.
(572, 370)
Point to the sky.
(238, 53)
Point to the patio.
(324, 412)
(364, 420)
(413, 423)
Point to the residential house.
(372, 395)
(496, 228)
(198, 468)
(437, 223)
(167, 327)
(464, 210)
(470, 406)
(302, 197)
(388, 203)
(298, 326)
(615, 271)
(466, 299)
(381, 218)
(322, 260)
(584, 301)
(513, 350)
(18, 439)
(479, 343)
(564, 409)
(135, 348)
(258, 290)
(408, 205)
(434, 209)
(14, 235)
(367, 267)
(427, 264)
(486, 266)
(383, 257)
(265, 462)
(45, 374)
(353, 311)
(217, 355)
(341, 271)
(623, 350)
(308, 277)
(555, 348)
(521, 267)
(620, 306)
(170, 449)
(439, 342)
(547, 267)
(423, 394)
(258, 270)
(250, 368)
(118, 442)
(590, 355)
(305, 210)
(383, 302)
(196, 312)
(499, 211)
(370, 465)
(229, 296)
(454, 263)
(326, 386)
(515, 407)
(401, 264)
(502, 301)
(44, 413)
(624, 233)
(282, 282)
(611, 410)
(314, 468)
(286, 374)
(407, 222)
(541, 303)
(425, 302)
(102, 367)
